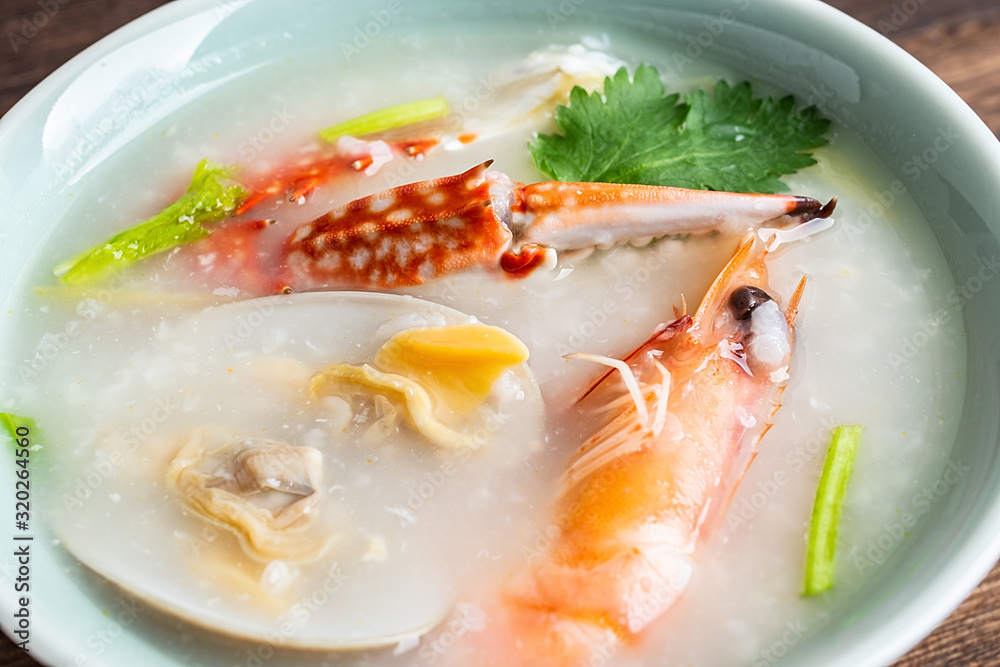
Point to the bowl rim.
(977, 550)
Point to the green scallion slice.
(822, 545)
(10, 423)
(211, 196)
(387, 119)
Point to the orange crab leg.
(418, 232)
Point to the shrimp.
(681, 424)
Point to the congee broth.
(158, 389)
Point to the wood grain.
(28, 53)
(955, 38)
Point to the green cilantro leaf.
(208, 199)
(635, 133)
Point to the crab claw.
(400, 237)
(417, 232)
(569, 216)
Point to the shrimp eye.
(744, 299)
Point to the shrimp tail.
(571, 614)
(533, 637)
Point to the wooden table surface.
(957, 39)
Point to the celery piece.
(211, 195)
(10, 423)
(387, 119)
(822, 546)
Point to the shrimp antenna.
(628, 377)
(683, 309)
(793, 303)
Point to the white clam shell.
(387, 575)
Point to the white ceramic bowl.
(75, 118)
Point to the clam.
(241, 500)
(265, 491)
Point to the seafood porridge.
(388, 423)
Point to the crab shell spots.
(399, 215)
(381, 204)
(382, 241)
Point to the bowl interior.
(940, 152)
